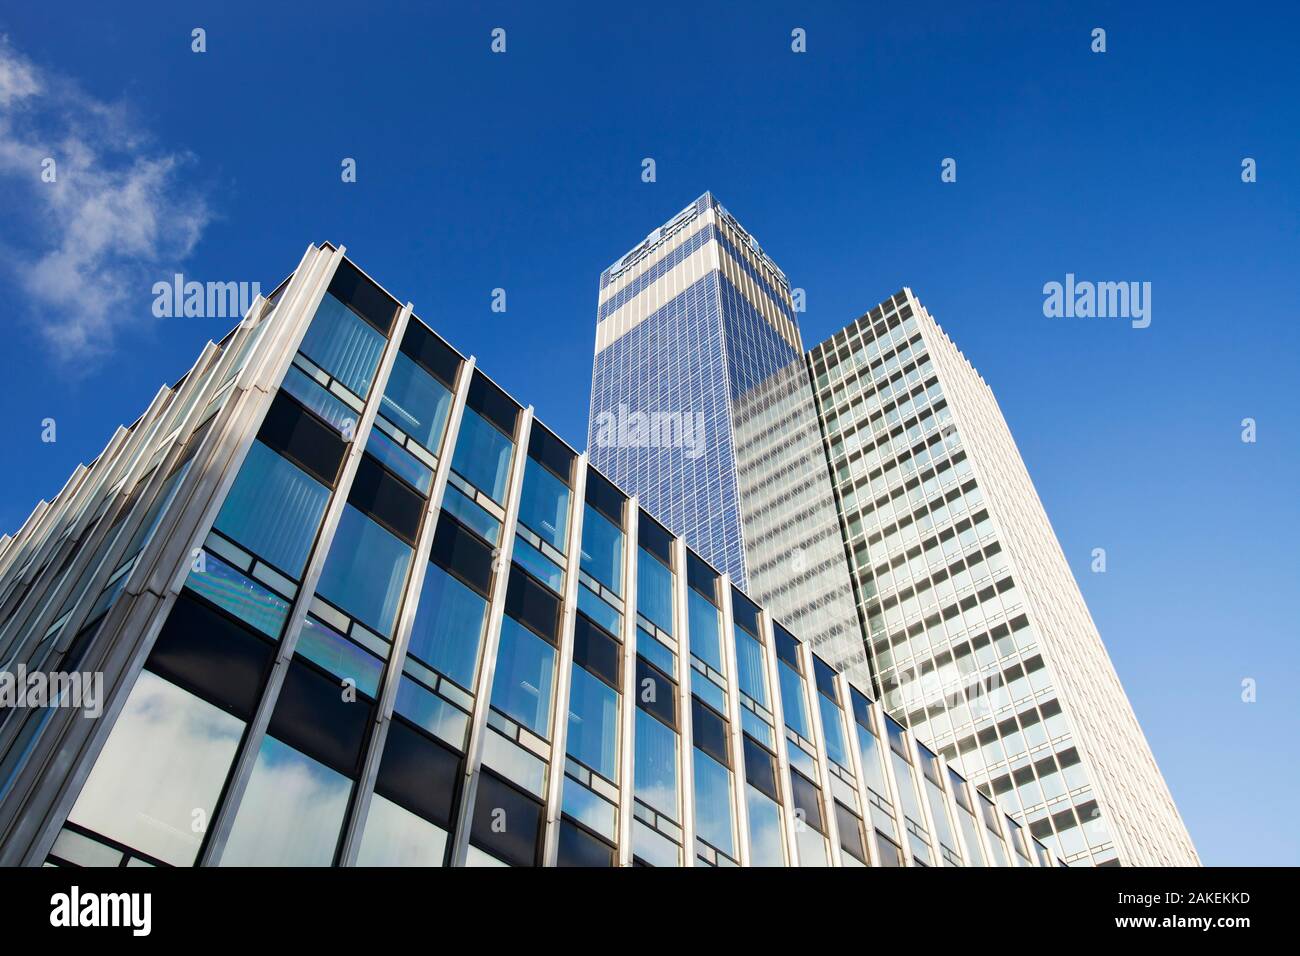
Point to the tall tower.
(700, 404)
(979, 636)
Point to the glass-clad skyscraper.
(353, 604)
(700, 403)
(979, 636)
(884, 453)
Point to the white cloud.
(116, 218)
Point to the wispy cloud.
(116, 214)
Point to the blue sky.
(522, 171)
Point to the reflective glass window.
(273, 510)
(521, 685)
(482, 455)
(602, 549)
(365, 571)
(544, 505)
(416, 402)
(344, 345)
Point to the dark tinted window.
(462, 553)
(596, 651)
(418, 773)
(493, 404)
(210, 654)
(363, 297)
(429, 351)
(604, 497)
(654, 538)
(850, 832)
(507, 823)
(807, 798)
(825, 679)
(532, 605)
(861, 708)
(709, 731)
(787, 648)
(391, 502)
(577, 847)
(760, 768)
(545, 448)
(656, 693)
(302, 438)
(744, 612)
(701, 577)
(311, 715)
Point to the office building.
(353, 604)
(979, 636)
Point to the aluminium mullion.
(784, 784)
(900, 835)
(45, 596)
(564, 663)
(832, 834)
(35, 781)
(859, 771)
(923, 796)
(49, 514)
(36, 628)
(736, 734)
(981, 834)
(627, 716)
(406, 623)
(686, 743)
(491, 643)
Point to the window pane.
(812, 847)
(792, 701)
(764, 830)
(291, 812)
(544, 505)
(340, 656)
(416, 402)
(705, 622)
(273, 509)
(749, 662)
(168, 755)
(538, 565)
(521, 687)
(471, 515)
(394, 836)
(713, 802)
(593, 723)
(833, 728)
(344, 345)
(314, 396)
(602, 549)
(241, 596)
(872, 768)
(398, 460)
(595, 608)
(656, 765)
(448, 626)
(365, 571)
(483, 456)
(654, 591)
